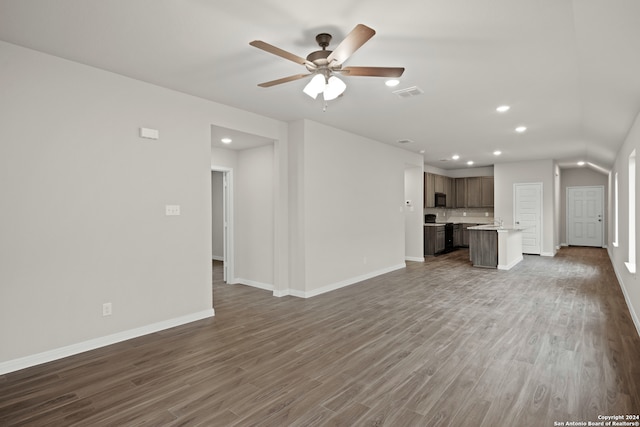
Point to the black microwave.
(441, 200)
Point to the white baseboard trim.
(73, 349)
(416, 259)
(217, 258)
(340, 284)
(551, 254)
(281, 293)
(254, 284)
(511, 264)
(634, 316)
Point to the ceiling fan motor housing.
(319, 57)
(323, 40)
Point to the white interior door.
(527, 213)
(227, 223)
(584, 216)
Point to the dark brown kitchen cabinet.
(486, 193)
(465, 234)
(457, 235)
(440, 239)
(434, 239)
(461, 192)
(439, 183)
(471, 192)
(483, 248)
(474, 192)
(429, 190)
(450, 191)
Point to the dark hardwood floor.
(436, 344)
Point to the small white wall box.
(149, 133)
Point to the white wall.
(460, 173)
(581, 177)
(619, 254)
(83, 201)
(224, 158)
(507, 174)
(414, 191)
(352, 207)
(217, 216)
(254, 213)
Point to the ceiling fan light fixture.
(315, 86)
(334, 88)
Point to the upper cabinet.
(429, 190)
(486, 191)
(440, 183)
(461, 192)
(471, 192)
(479, 192)
(474, 192)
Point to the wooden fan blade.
(354, 40)
(283, 80)
(373, 71)
(281, 53)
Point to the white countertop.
(491, 227)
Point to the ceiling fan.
(323, 64)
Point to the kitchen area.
(458, 213)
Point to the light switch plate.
(149, 133)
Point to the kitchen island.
(492, 246)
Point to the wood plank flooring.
(439, 343)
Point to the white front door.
(584, 216)
(527, 214)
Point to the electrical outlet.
(106, 309)
(172, 210)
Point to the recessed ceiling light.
(503, 109)
(455, 157)
(226, 140)
(470, 162)
(392, 82)
(581, 163)
(422, 151)
(521, 129)
(497, 153)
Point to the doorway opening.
(222, 220)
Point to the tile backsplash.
(476, 215)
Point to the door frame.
(228, 225)
(566, 224)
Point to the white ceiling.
(570, 70)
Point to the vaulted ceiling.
(569, 70)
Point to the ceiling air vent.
(404, 141)
(409, 92)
